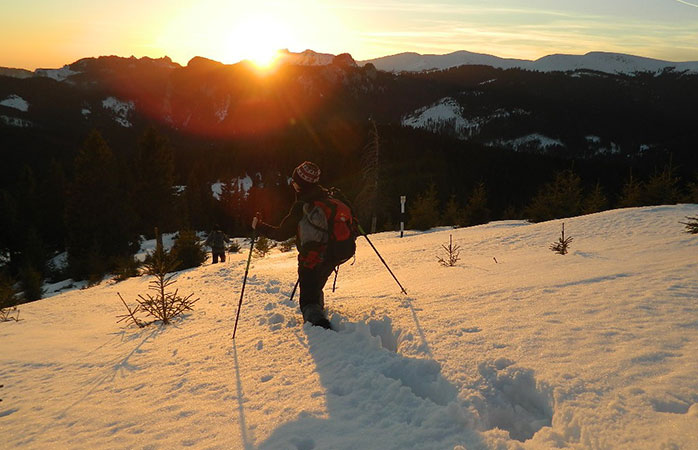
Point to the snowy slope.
(61, 74)
(447, 115)
(595, 349)
(16, 102)
(598, 61)
(305, 58)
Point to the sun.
(258, 38)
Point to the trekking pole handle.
(363, 233)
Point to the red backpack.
(330, 221)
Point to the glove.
(255, 220)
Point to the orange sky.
(43, 33)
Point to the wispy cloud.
(687, 3)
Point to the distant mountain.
(566, 108)
(15, 73)
(597, 61)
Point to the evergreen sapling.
(562, 243)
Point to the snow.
(244, 184)
(445, 111)
(16, 102)
(305, 58)
(61, 74)
(15, 122)
(593, 139)
(537, 140)
(595, 349)
(86, 112)
(121, 109)
(448, 114)
(222, 112)
(597, 61)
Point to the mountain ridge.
(607, 62)
(601, 61)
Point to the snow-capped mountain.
(312, 58)
(305, 58)
(597, 61)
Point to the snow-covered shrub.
(452, 253)
(162, 304)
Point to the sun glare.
(258, 39)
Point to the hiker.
(216, 240)
(309, 221)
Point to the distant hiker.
(217, 240)
(325, 236)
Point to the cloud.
(687, 3)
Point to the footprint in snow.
(275, 321)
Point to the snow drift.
(514, 347)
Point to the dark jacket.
(217, 240)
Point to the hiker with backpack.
(217, 240)
(325, 230)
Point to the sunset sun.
(258, 38)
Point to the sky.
(50, 33)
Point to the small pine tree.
(476, 210)
(188, 250)
(126, 267)
(287, 245)
(453, 214)
(691, 225)
(263, 246)
(663, 188)
(561, 198)
(692, 195)
(632, 193)
(562, 243)
(163, 305)
(8, 299)
(596, 201)
(424, 213)
(234, 246)
(452, 253)
(31, 282)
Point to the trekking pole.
(363, 233)
(293, 292)
(244, 281)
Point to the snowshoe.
(316, 316)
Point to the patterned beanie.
(306, 174)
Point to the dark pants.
(312, 281)
(216, 254)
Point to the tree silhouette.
(99, 223)
(154, 168)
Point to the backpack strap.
(333, 215)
